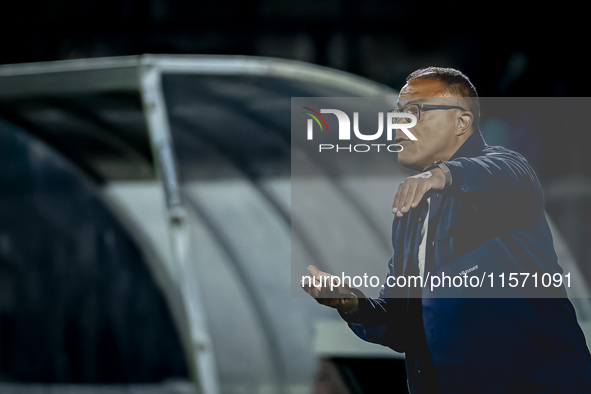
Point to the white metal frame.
(143, 74)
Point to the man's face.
(435, 131)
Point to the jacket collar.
(475, 143)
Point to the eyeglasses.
(416, 109)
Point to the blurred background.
(129, 260)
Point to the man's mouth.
(399, 140)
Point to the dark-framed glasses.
(416, 109)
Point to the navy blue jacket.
(455, 340)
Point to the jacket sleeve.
(499, 176)
(380, 320)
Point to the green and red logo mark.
(316, 118)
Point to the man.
(473, 209)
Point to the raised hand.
(327, 290)
(414, 188)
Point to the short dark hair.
(456, 84)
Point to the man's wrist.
(448, 178)
(442, 172)
(440, 176)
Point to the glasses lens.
(412, 109)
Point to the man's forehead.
(422, 90)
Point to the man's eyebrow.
(418, 100)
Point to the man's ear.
(464, 123)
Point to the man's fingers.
(406, 197)
(400, 196)
(420, 193)
(316, 273)
(317, 280)
(313, 270)
(320, 288)
(410, 195)
(327, 289)
(312, 290)
(395, 203)
(330, 297)
(322, 295)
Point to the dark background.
(514, 49)
(506, 48)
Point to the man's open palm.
(327, 290)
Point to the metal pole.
(194, 327)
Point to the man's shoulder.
(500, 151)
